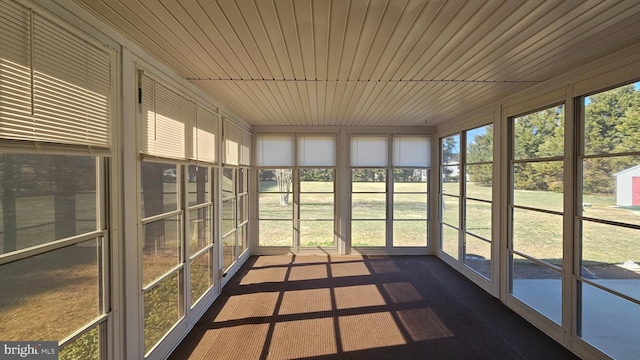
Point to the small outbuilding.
(628, 187)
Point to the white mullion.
(50, 246)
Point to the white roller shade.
(55, 86)
(245, 149)
(369, 151)
(316, 150)
(275, 150)
(411, 151)
(232, 140)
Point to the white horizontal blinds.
(316, 150)
(55, 87)
(411, 151)
(147, 116)
(369, 151)
(275, 150)
(232, 139)
(245, 148)
(204, 135)
(15, 72)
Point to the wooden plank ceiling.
(369, 62)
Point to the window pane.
(242, 239)
(410, 180)
(201, 269)
(243, 208)
(450, 150)
(410, 206)
(479, 181)
(61, 190)
(539, 185)
(87, 346)
(228, 216)
(480, 144)
(316, 206)
(161, 310)
(539, 135)
(612, 112)
(477, 255)
(50, 296)
(275, 206)
(198, 185)
(451, 211)
(537, 286)
(229, 250)
(449, 237)
(451, 180)
(538, 235)
(316, 180)
(161, 249)
(608, 322)
(478, 218)
(368, 233)
(199, 229)
(228, 182)
(276, 233)
(610, 254)
(409, 233)
(243, 180)
(611, 188)
(368, 206)
(369, 180)
(276, 180)
(316, 233)
(159, 188)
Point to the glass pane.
(538, 235)
(229, 250)
(316, 206)
(316, 180)
(276, 180)
(611, 254)
(369, 180)
(161, 248)
(275, 206)
(539, 185)
(161, 310)
(242, 239)
(45, 198)
(228, 216)
(410, 206)
(479, 181)
(316, 233)
(537, 286)
(609, 323)
(368, 206)
(539, 135)
(87, 346)
(199, 229)
(451, 211)
(276, 233)
(450, 150)
(243, 208)
(611, 188)
(201, 270)
(242, 181)
(451, 180)
(50, 296)
(478, 218)
(409, 233)
(228, 182)
(611, 121)
(410, 180)
(477, 255)
(159, 188)
(480, 144)
(368, 233)
(449, 237)
(198, 185)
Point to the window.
(609, 168)
(536, 208)
(450, 195)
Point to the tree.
(480, 149)
(283, 177)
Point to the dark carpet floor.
(354, 307)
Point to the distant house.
(628, 187)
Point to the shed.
(628, 187)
